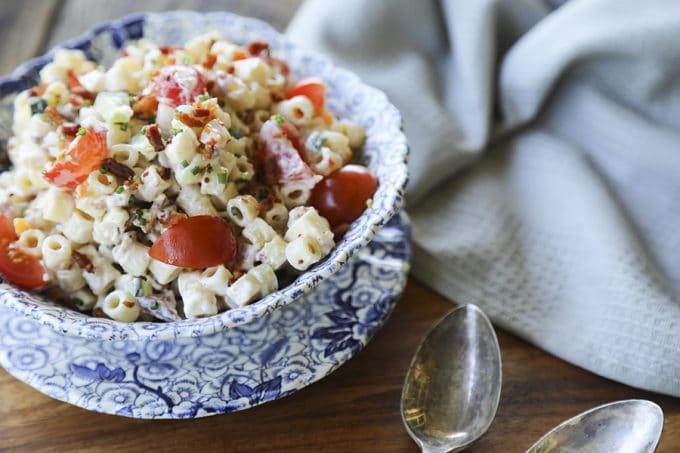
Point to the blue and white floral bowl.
(241, 357)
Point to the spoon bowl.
(631, 426)
(453, 385)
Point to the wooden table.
(354, 409)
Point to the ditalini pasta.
(190, 176)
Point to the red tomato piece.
(313, 88)
(341, 197)
(294, 136)
(16, 266)
(279, 157)
(177, 85)
(83, 155)
(196, 242)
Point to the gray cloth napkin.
(545, 162)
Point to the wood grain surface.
(354, 409)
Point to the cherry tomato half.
(83, 155)
(16, 266)
(177, 85)
(313, 88)
(196, 242)
(341, 197)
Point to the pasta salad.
(177, 183)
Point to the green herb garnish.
(204, 97)
(195, 170)
(123, 126)
(184, 163)
(279, 119)
(140, 217)
(154, 305)
(176, 130)
(222, 178)
(120, 189)
(82, 131)
(236, 212)
(235, 132)
(38, 106)
(103, 170)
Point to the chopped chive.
(195, 170)
(222, 178)
(38, 106)
(279, 119)
(186, 60)
(103, 170)
(120, 189)
(176, 130)
(140, 217)
(154, 305)
(143, 130)
(153, 119)
(87, 102)
(262, 194)
(235, 132)
(184, 163)
(204, 97)
(235, 211)
(123, 126)
(77, 302)
(240, 115)
(82, 131)
(131, 200)
(209, 168)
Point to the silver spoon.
(453, 385)
(629, 426)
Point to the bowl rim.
(78, 324)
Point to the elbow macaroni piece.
(242, 210)
(56, 252)
(298, 110)
(198, 301)
(30, 241)
(257, 282)
(78, 227)
(216, 279)
(302, 252)
(162, 272)
(132, 256)
(121, 306)
(258, 232)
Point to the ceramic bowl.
(385, 152)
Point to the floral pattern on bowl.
(227, 371)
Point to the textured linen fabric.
(545, 169)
